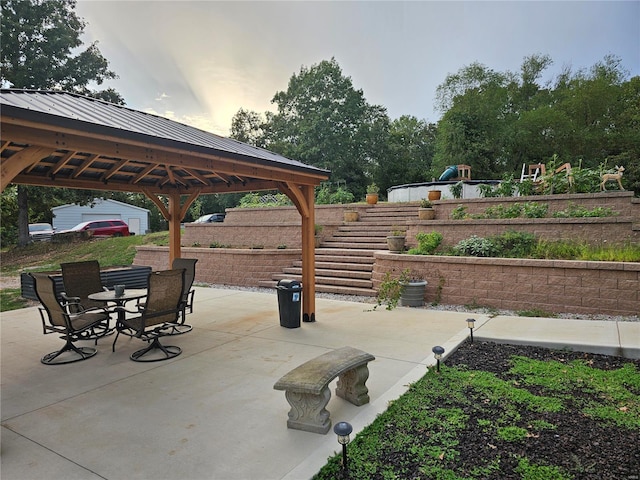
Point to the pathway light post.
(471, 323)
(342, 430)
(437, 353)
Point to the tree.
(410, 147)
(41, 49)
(323, 121)
(248, 127)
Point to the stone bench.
(307, 387)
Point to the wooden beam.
(308, 257)
(303, 197)
(187, 204)
(174, 226)
(12, 166)
(61, 163)
(109, 146)
(84, 165)
(45, 181)
(158, 203)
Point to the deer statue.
(612, 176)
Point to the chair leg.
(113, 346)
(82, 352)
(169, 351)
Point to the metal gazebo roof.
(131, 150)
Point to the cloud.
(209, 59)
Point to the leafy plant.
(580, 211)
(373, 188)
(317, 229)
(459, 213)
(512, 244)
(475, 246)
(426, 203)
(341, 196)
(456, 189)
(390, 289)
(427, 243)
(535, 210)
(526, 187)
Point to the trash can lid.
(289, 284)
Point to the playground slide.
(449, 173)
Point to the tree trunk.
(23, 216)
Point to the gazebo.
(52, 138)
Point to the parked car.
(211, 217)
(102, 228)
(40, 232)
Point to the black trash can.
(289, 302)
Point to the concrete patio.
(212, 412)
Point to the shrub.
(390, 289)
(513, 244)
(427, 243)
(535, 210)
(340, 196)
(579, 211)
(456, 189)
(475, 246)
(459, 213)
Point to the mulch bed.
(581, 445)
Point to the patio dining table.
(109, 296)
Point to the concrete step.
(344, 252)
(345, 262)
(337, 289)
(362, 267)
(372, 245)
(353, 237)
(338, 281)
(331, 273)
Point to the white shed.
(68, 216)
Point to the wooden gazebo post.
(303, 197)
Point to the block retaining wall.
(224, 266)
(595, 230)
(610, 288)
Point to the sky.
(199, 62)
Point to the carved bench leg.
(351, 386)
(308, 411)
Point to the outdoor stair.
(344, 261)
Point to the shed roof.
(97, 201)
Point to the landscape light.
(342, 430)
(437, 352)
(471, 322)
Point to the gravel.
(444, 308)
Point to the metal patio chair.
(63, 319)
(157, 318)
(80, 279)
(189, 265)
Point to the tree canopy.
(496, 122)
(42, 49)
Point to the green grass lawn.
(45, 256)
